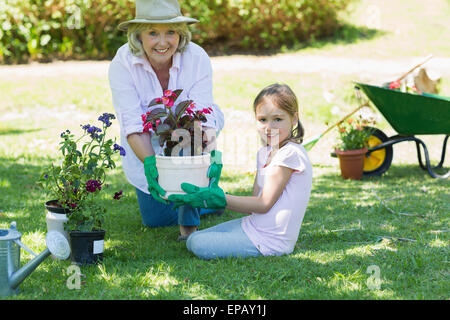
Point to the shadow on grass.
(346, 34)
(22, 200)
(11, 131)
(329, 264)
(147, 263)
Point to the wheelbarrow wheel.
(377, 162)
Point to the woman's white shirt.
(134, 84)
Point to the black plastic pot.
(86, 247)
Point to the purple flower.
(121, 149)
(64, 134)
(93, 185)
(117, 195)
(92, 130)
(106, 117)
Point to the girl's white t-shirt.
(276, 232)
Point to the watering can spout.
(56, 245)
(20, 275)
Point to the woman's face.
(274, 124)
(160, 43)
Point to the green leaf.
(153, 103)
(181, 108)
(156, 114)
(162, 128)
(177, 94)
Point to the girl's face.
(274, 124)
(160, 43)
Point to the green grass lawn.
(396, 224)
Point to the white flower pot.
(56, 219)
(173, 171)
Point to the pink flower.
(394, 85)
(190, 109)
(167, 102)
(158, 100)
(168, 93)
(147, 127)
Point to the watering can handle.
(17, 241)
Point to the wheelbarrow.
(409, 115)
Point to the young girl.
(280, 192)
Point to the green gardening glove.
(215, 169)
(211, 197)
(151, 173)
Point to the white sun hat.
(157, 11)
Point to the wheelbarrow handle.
(364, 104)
(415, 67)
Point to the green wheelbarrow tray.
(410, 114)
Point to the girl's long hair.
(284, 98)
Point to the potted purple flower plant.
(76, 184)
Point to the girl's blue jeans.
(157, 214)
(223, 240)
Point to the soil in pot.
(54, 207)
(86, 247)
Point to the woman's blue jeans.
(157, 214)
(223, 240)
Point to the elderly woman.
(159, 56)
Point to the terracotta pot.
(351, 163)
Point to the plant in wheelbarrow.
(75, 186)
(354, 134)
(184, 156)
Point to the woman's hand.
(215, 168)
(151, 173)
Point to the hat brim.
(124, 25)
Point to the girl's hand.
(211, 197)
